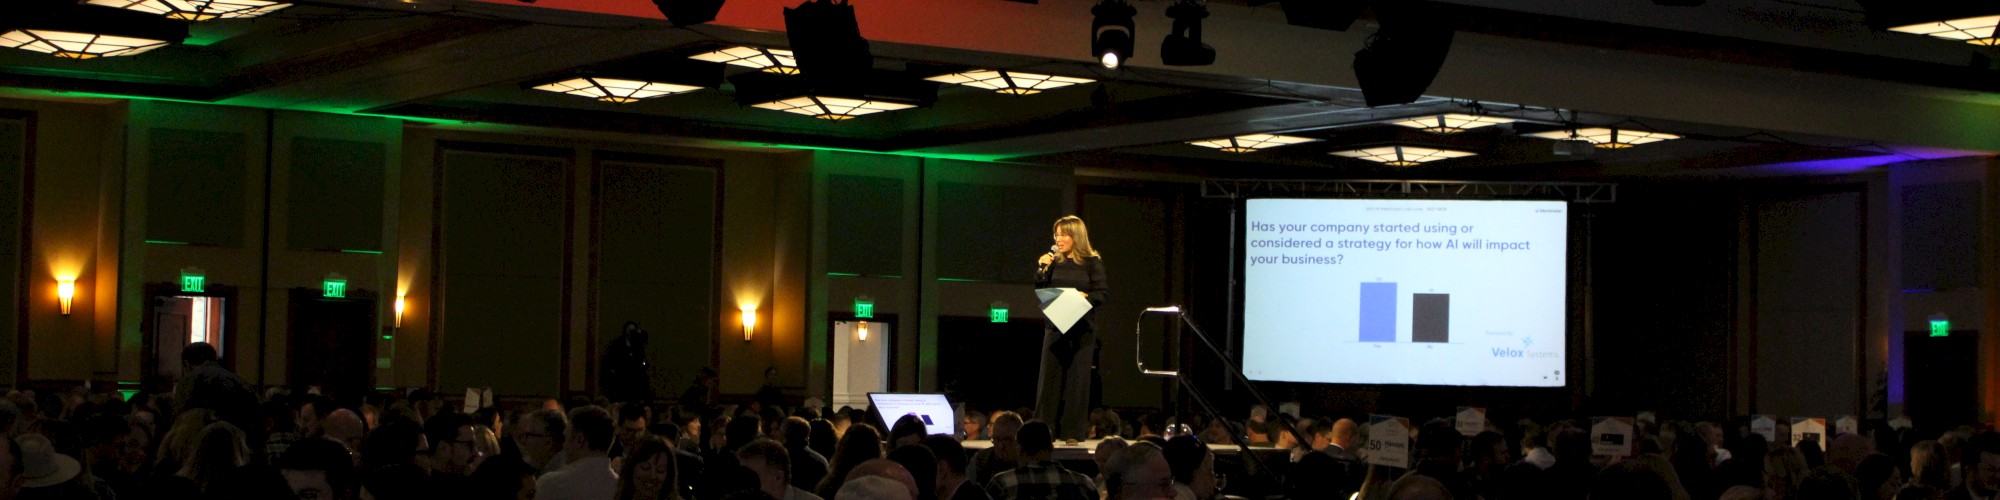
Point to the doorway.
(863, 358)
(175, 318)
(1941, 377)
(331, 343)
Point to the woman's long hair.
(861, 443)
(1079, 238)
(221, 452)
(649, 447)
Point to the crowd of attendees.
(217, 437)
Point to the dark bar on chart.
(1378, 312)
(1430, 317)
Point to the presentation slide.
(933, 409)
(1430, 292)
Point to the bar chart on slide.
(1430, 315)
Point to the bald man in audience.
(343, 426)
(886, 469)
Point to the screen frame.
(1576, 304)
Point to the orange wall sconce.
(66, 294)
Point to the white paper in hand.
(1063, 306)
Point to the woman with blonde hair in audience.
(1928, 466)
(180, 440)
(649, 471)
(861, 443)
(219, 454)
(1784, 469)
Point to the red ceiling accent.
(964, 24)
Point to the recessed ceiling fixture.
(831, 108)
(1452, 123)
(1252, 142)
(1974, 30)
(616, 90)
(74, 31)
(778, 61)
(1009, 82)
(1403, 156)
(1111, 32)
(1607, 138)
(197, 10)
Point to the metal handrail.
(1235, 432)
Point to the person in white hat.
(47, 474)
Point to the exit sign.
(334, 286)
(194, 283)
(998, 312)
(1940, 328)
(864, 308)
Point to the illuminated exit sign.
(192, 280)
(1940, 328)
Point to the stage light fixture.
(1452, 123)
(615, 90)
(1183, 47)
(1973, 30)
(1403, 57)
(689, 12)
(827, 39)
(1009, 82)
(74, 31)
(778, 61)
(1606, 137)
(197, 10)
(1403, 156)
(1252, 142)
(1112, 32)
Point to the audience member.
(1005, 452)
(1107, 448)
(1877, 477)
(1784, 470)
(541, 438)
(632, 424)
(1569, 477)
(43, 473)
(221, 452)
(586, 472)
(319, 469)
(1439, 453)
(345, 427)
(1645, 477)
(505, 477)
(922, 466)
(1980, 465)
(1193, 467)
(860, 444)
(808, 466)
(1928, 467)
(1826, 483)
(394, 460)
(772, 465)
(648, 471)
(1486, 465)
(1414, 486)
(823, 439)
(974, 424)
(885, 469)
(872, 488)
(205, 384)
(453, 446)
(909, 429)
(1040, 477)
(952, 482)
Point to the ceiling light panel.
(1607, 138)
(615, 89)
(1403, 156)
(1452, 123)
(197, 10)
(1009, 82)
(1252, 142)
(778, 61)
(73, 45)
(1976, 30)
(831, 108)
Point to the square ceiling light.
(74, 45)
(616, 90)
(197, 10)
(1009, 82)
(1452, 123)
(1974, 30)
(1403, 156)
(1607, 138)
(778, 61)
(77, 31)
(1252, 142)
(831, 108)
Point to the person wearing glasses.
(1064, 397)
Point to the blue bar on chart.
(1430, 317)
(1378, 312)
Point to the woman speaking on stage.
(1064, 398)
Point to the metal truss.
(1574, 192)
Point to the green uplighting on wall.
(165, 242)
(369, 252)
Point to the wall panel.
(656, 263)
(502, 249)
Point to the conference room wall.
(60, 194)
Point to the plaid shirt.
(1043, 480)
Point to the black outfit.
(808, 467)
(1064, 401)
(626, 376)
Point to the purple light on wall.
(1834, 166)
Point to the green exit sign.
(1940, 328)
(999, 314)
(194, 283)
(864, 308)
(333, 289)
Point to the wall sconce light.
(399, 311)
(861, 331)
(66, 294)
(749, 322)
